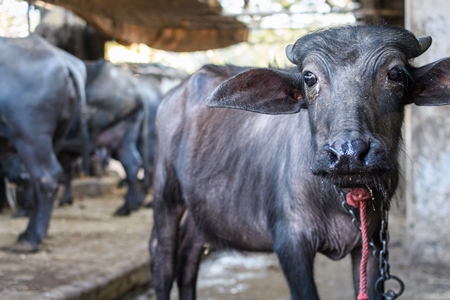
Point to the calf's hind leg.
(168, 210)
(190, 252)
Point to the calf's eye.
(396, 74)
(310, 78)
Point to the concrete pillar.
(427, 142)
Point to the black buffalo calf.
(273, 180)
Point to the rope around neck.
(358, 197)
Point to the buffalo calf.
(273, 180)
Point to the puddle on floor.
(255, 276)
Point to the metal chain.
(383, 258)
(382, 255)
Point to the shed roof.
(172, 25)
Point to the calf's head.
(354, 82)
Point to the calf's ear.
(431, 86)
(264, 91)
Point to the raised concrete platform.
(88, 254)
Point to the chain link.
(383, 258)
(382, 255)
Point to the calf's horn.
(424, 43)
(288, 52)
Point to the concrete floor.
(88, 254)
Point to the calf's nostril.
(333, 154)
(360, 149)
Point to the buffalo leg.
(2, 194)
(67, 197)
(44, 169)
(168, 211)
(26, 202)
(131, 160)
(66, 161)
(296, 260)
(373, 274)
(190, 252)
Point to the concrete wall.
(427, 142)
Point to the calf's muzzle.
(348, 156)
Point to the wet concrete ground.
(89, 254)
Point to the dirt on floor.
(91, 254)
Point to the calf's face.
(355, 84)
(354, 81)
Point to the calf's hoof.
(123, 211)
(23, 246)
(20, 213)
(65, 202)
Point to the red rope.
(358, 197)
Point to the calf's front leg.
(296, 256)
